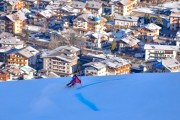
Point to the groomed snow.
(126, 97)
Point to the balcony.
(16, 62)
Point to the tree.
(27, 6)
(147, 18)
(114, 44)
(159, 20)
(27, 34)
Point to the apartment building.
(175, 20)
(160, 52)
(117, 66)
(123, 7)
(87, 22)
(11, 5)
(24, 57)
(94, 7)
(15, 22)
(148, 32)
(126, 21)
(62, 60)
(95, 69)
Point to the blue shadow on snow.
(86, 102)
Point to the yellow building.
(124, 7)
(15, 22)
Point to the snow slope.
(126, 97)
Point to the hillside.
(126, 97)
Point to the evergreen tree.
(159, 20)
(147, 18)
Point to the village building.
(175, 20)
(128, 43)
(95, 69)
(87, 22)
(171, 65)
(125, 21)
(94, 7)
(160, 51)
(147, 33)
(15, 22)
(117, 66)
(24, 57)
(62, 60)
(123, 7)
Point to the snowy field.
(126, 97)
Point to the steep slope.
(126, 97)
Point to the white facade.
(160, 52)
(126, 23)
(93, 71)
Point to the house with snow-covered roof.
(95, 69)
(96, 40)
(125, 21)
(15, 22)
(148, 32)
(123, 7)
(23, 57)
(171, 65)
(88, 22)
(78, 5)
(94, 7)
(128, 43)
(117, 66)
(62, 60)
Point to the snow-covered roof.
(47, 13)
(132, 41)
(66, 53)
(33, 28)
(19, 15)
(126, 18)
(115, 62)
(126, 97)
(101, 56)
(171, 64)
(152, 27)
(97, 65)
(28, 52)
(122, 33)
(27, 69)
(160, 47)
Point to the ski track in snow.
(86, 102)
(95, 83)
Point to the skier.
(74, 80)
